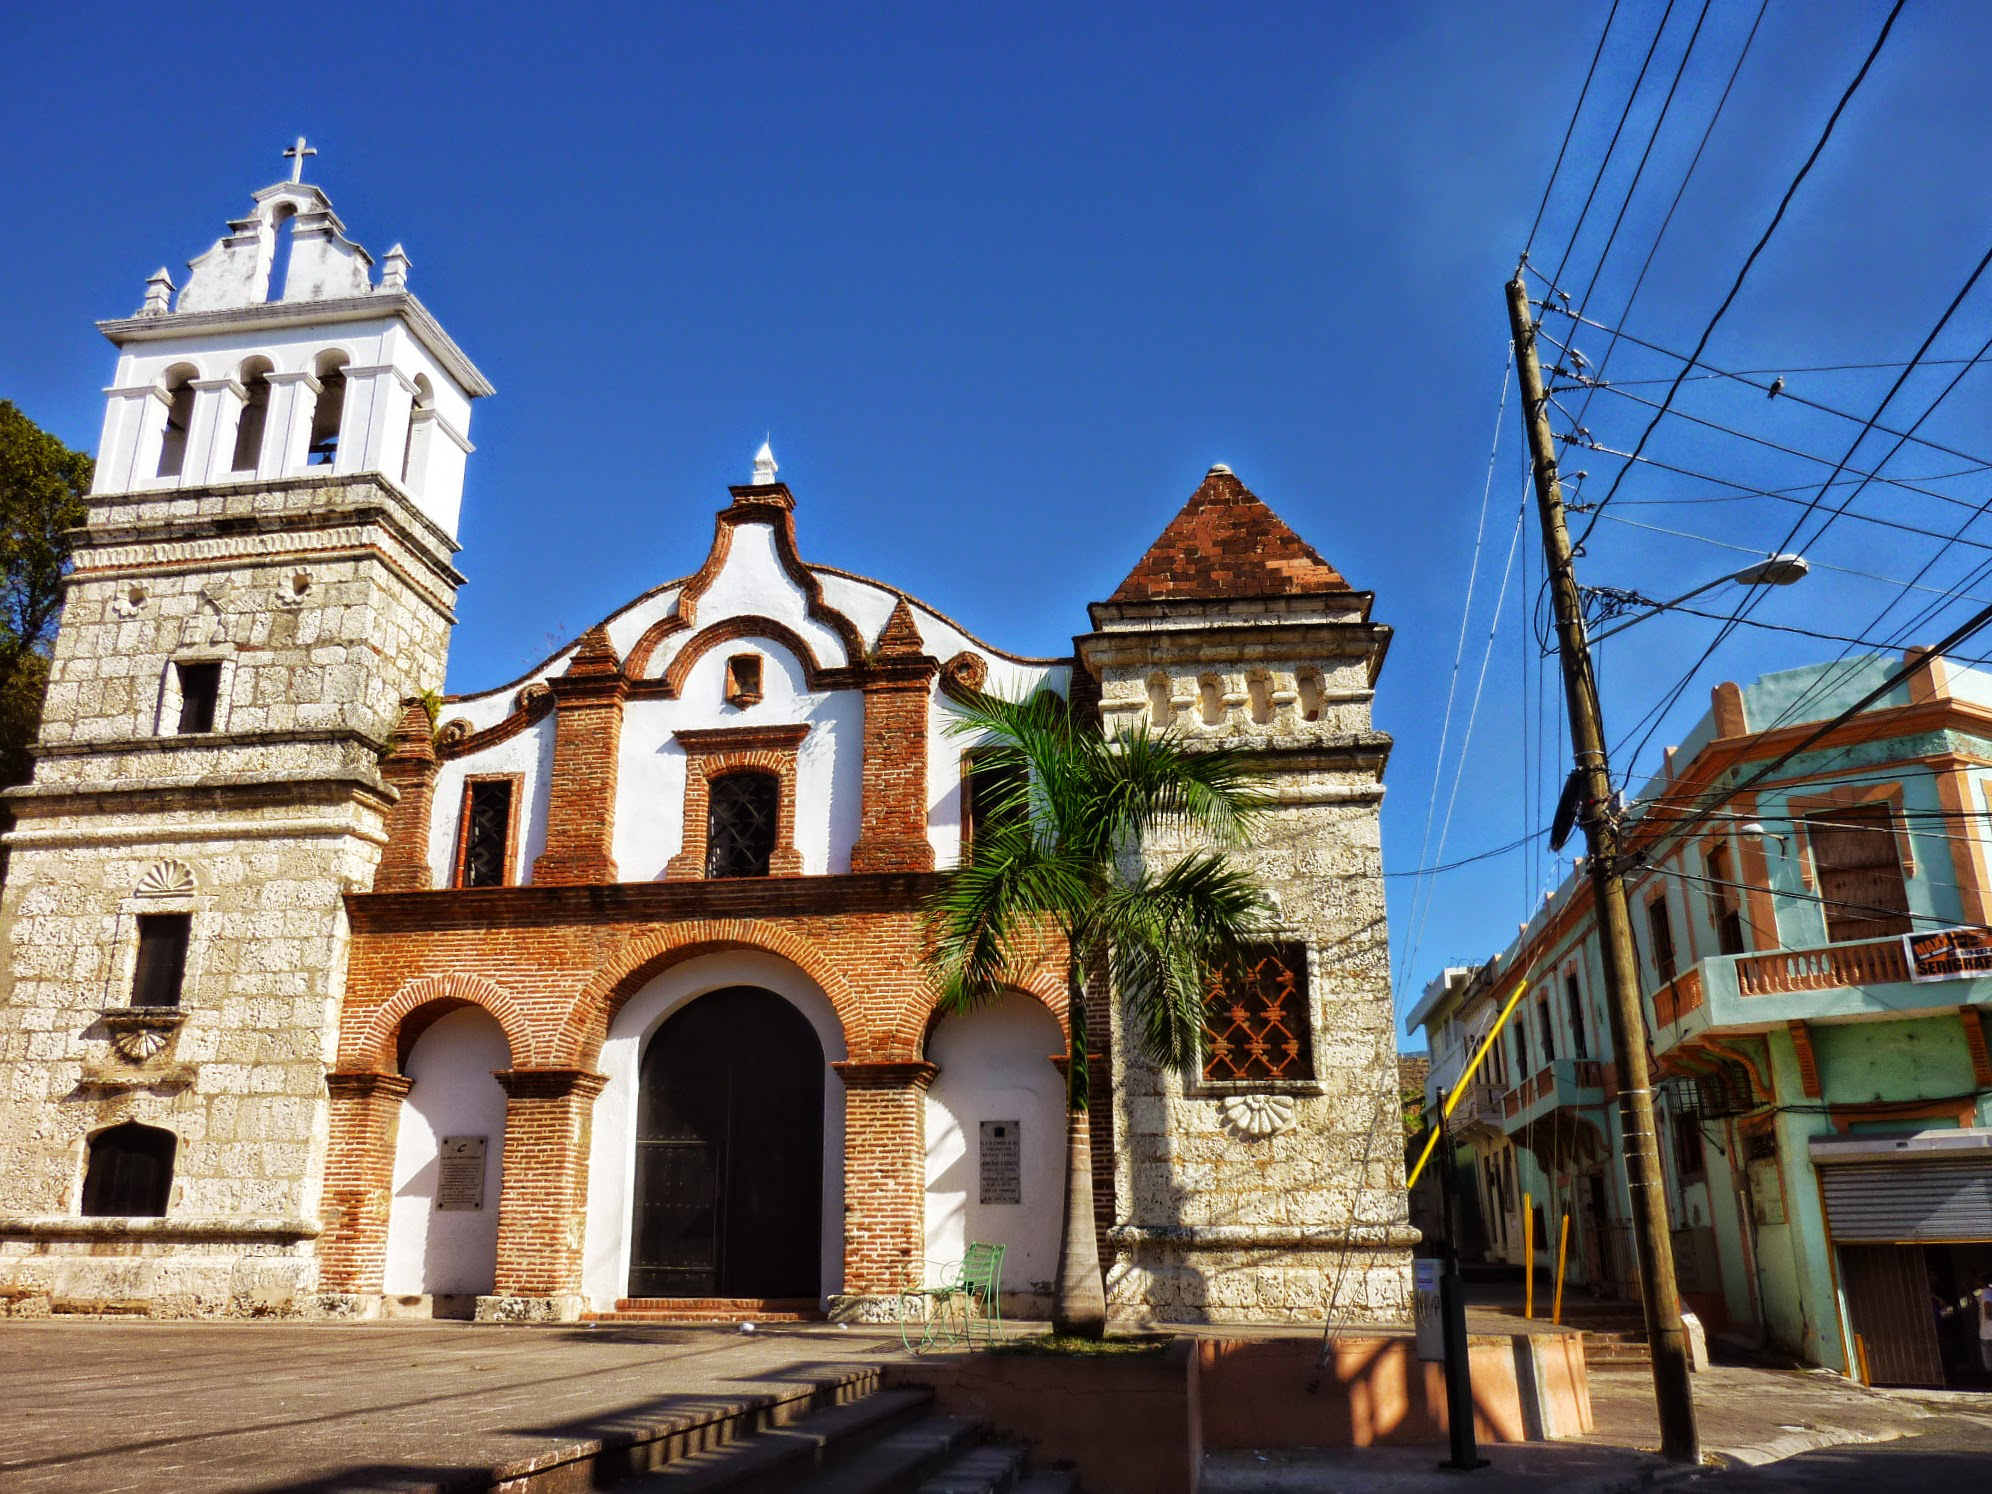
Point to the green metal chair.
(944, 1310)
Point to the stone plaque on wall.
(1002, 1162)
(460, 1173)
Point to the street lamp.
(1779, 570)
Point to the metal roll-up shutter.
(1908, 1198)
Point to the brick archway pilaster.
(885, 1166)
(365, 1111)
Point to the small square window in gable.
(743, 680)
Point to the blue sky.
(1003, 283)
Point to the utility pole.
(1679, 1441)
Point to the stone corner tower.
(1270, 1188)
(263, 579)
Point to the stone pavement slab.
(225, 1408)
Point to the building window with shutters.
(1661, 929)
(1573, 1000)
(487, 833)
(161, 968)
(1258, 1024)
(130, 1172)
(743, 818)
(1725, 900)
(1859, 874)
(990, 786)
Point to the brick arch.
(644, 957)
(727, 630)
(376, 1044)
(1040, 985)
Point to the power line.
(1604, 164)
(1783, 392)
(1433, 871)
(1653, 249)
(1571, 128)
(1763, 240)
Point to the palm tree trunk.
(1079, 1309)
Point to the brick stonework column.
(542, 1207)
(581, 804)
(892, 835)
(365, 1113)
(411, 768)
(885, 1173)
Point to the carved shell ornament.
(165, 879)
(137, 1044)
(529, 695)
(293, 589)
(966, 671)
(456, 729)
(1256, 1116)
(128, 602)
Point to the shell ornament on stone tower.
(1259, 1116)
(166, 879)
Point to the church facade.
(603, 989)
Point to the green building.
(1816, 969)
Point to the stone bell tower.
(264, 577)
(1270, 1187)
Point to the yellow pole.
(1562, 1255)
(1459, 1086)
(1528, 1258)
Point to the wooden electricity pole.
(1665, 1335)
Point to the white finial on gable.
(764, 465)
(158, 293)
(394, 270)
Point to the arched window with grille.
(130, 1173)
(743, 817)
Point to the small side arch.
(387, 1034)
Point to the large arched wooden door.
(729, 1152)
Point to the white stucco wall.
(995, 1065)
(454, 1095)
(612, 1160)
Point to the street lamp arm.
(1779, 570)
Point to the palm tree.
(1061, 815)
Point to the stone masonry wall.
(1270, 1200)
(326, 602)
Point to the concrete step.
(897, 1462)
(710, 1310)
(991, 1468)
(782, 1457)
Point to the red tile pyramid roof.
(1227, 543)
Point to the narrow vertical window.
(161, 968)
(1690, 1161)
(280, 253)
(179, 420)
(1545, 1030)
(249, 429)
(741, 824)
(421, 412)
(327, 414)
(1661, 928)
(1574, 1001)
(487, 833)
(1724, 901)
(130, 1172)
(991, 790)
(200, 692)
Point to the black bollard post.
(1452, 1312)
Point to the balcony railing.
(1678, 997)
(1561, 1077)
(1479, 1105)
(1878, 962)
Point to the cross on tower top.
(296, 154)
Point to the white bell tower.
(264, 579)
(283, 356)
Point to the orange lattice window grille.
(1259, 1028)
